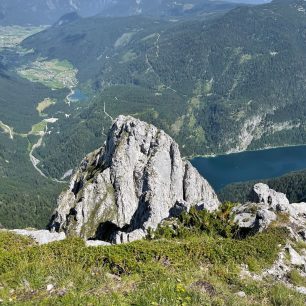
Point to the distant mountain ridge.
(46, 12)
(164, 7)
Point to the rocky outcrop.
(264, 206)
(40, 236)
(267, 206)
(275, 200)
(131, 184)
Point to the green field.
(43, 105)
(54, 74)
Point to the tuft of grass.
(296, 278)
(283, 296)
(195, 222)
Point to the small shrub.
(196, 222)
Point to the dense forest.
(292, 184)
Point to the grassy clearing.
(6, 129)
(39, 128)
(124, 39)
(43, 105)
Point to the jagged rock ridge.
(130, 185)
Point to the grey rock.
(295, 258)
(256, 216)
(244, 219)
(302, 234)
(179, 207)
(241, 294)
(50, 287)
(41, 236)
(130, 185)
(96, 243)
(298, 209)
(301, 290)
(254, 221)
(276, 200)
(264, 218)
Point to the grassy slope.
(199, 270)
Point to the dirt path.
(33, 159)
(107, 114)
(7, 129)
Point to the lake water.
(78, 96)
(245, 166)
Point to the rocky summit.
(128, 186)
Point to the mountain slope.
(216, 86)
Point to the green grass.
(38, 128)
(198, 270)
(296, 278)
(43, 105)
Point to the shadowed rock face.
(130, 185)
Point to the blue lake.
(253, 165)
(78, 96)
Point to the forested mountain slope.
(216, 85)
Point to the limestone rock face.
(130, 185)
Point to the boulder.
(129, 185)
(275, 200)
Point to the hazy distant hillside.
(164, 7)
(42, 12)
